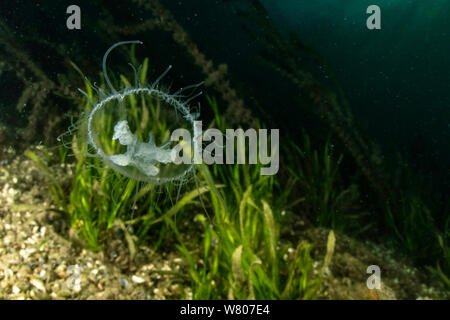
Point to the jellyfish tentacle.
(193, 97)
(105, 57)
(161, 76)
(90, 84)
(87, 97)
(193, 86)
(136, 81)
(138, 78)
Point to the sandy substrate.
(40, 259)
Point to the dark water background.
(397, 79)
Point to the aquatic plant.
(442, 268)
(242, 255)
(38, 89)
(411, 218)
(326, 202)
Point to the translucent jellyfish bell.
(130, 128)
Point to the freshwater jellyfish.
(129, 129)
(141, 155)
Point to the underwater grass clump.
(409, 217)
(242, 256)
(326, 202)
